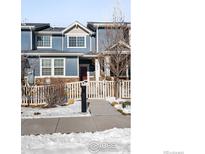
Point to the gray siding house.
(68, 53)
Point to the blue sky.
(64, 12)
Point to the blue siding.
(33, 40)
(71, 66)
(93, 44)
(57, 42)
(57, 45)
(25, 40)
(35, 64)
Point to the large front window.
(44, 41)
(52, 67)
(76, 41)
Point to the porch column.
(107, 66)
(127, 72)
(97, 69)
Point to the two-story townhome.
(67, 53)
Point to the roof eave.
(79, 24)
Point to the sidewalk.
(103, 116)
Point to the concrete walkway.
(103, 116)
(100, 107)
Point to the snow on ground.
(118, 106)
(116, 141)
(72, 110)
(118, 100)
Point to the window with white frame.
(52, 66)
(58, 66)
(76, 41)
(43, 41)
(46, 67)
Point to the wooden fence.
(99, 89)
(36, 95)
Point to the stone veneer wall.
(42, 81)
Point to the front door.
(83, 73)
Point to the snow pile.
(73, 110)
(78, 143)
(118, 105)
(118, 100)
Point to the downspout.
(31, 45)
(90, 43)
(62, 42)
(97, 65)
(97, 39)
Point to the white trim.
(51, 42)
(64, 61)
(127, 71)
(97, 39)
(90, 43)
(53, 54)
(31, 41)
(80, 25)
(114, 52)
(113, 24)
(26, 26)
(97, 70)
(85, 46)
(90, 56)
(41, 66)
(78, 66)
(39, 47)
(56, 77)
(121, 43)
(76, 34)
(62, 42)
(48, 32)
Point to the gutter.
(52, 54)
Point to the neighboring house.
(67, 53)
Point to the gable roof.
(76, 23)
(120, 43)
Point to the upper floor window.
(44, 41)
(76, 42)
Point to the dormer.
(76, 34)
(77, 28)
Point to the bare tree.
(55, 94)
(115, 58)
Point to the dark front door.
(83, 73)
